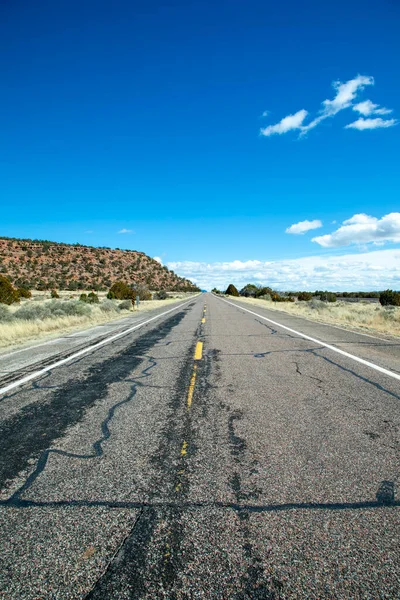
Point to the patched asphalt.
(278, 481)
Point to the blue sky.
(145, 117)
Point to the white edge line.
(283, 312)
(69, 335)
(57, 340)
(36, 374)
(307, 337)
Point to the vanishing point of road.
(219, 450)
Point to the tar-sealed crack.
(255, 584)
(149, 562)
(30, 433)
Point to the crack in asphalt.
(320, 381)
(143, 556)
(352, 372)
(255, 584)
(97, 445)
(19, 437)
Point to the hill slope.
(37, 264)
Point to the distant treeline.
(386, 297)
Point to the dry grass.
(17, 331)
(366, 316)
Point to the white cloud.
(286, 124)
(304, 226)
(363, 229)
(158, 259)
(367, 108)
(375, 270)
(377, 123)
(126, 231)
(360, 219)
(346, 93)
(265, 113)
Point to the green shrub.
(278, 298)
(304, 296)
(24, 292)
(264, 291)
(249, 290)
(83, 298)
(389, 298)
(54, 294)
(125, 305)
(120, 291)
(108, 306)
(8, 294)
(231, 290)
(266, 297)
(93, 298)
(74, 308)
(161, 295)
(327, 297)
(55, 308)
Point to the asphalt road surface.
(209, 453)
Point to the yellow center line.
(184, 448)
(198, 354)
(191, 387)
(167, 551)
(203, 320)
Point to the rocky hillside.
(41, 265)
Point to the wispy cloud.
(158, 259)
(363, 229)
(286, 124)
(377, 123)
(303, 226)
(345, 94)
(344, 98)
(126, 231)
(375, 270)
(367, 108)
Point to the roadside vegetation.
(31, 316)
(372, 311)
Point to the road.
(210, 453)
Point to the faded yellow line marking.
(167, 553)
(184, 448)
(198, 355)
(191, 387)
(203, 320)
